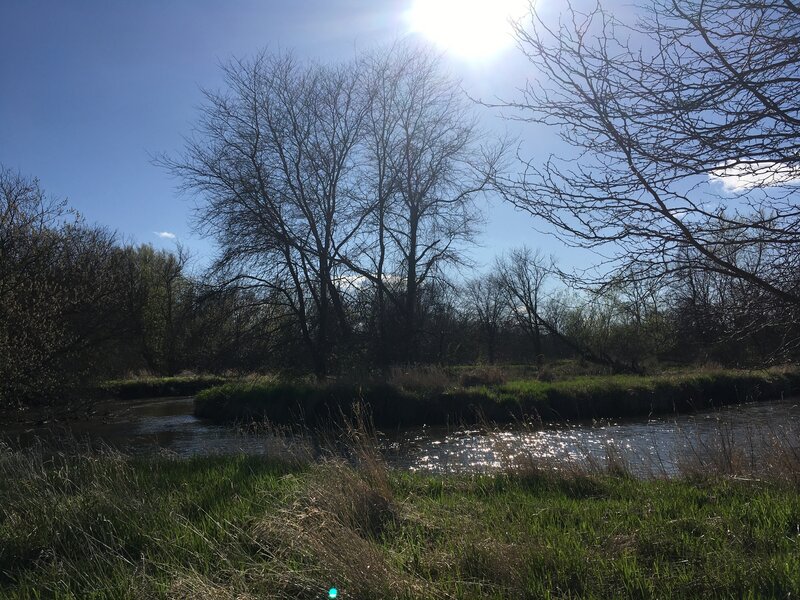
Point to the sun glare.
(472, 29)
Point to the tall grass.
(431, 398)
(157, 387)
(103, 525)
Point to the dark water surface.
(658, 444)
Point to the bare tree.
(521, 275)
(427, 164)
(272, 160)
(686, 127)
(320, 180)
(487, 305)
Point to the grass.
(80, 525)
(631, 395)
(158, 387)
(431, 399)
(287, 402)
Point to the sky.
(92, 90)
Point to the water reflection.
(656, 445)
(646, 446)
(146, 426)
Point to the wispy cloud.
(165, 235)
(740, 178)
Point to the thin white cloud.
(351, 280)
(740, 178)
(165, 235)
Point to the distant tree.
(521, 275)
(729, 320)
(623, 326)
(226, 329)
(160, 302)
(487, 305)
(572, 322)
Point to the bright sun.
(472, 29)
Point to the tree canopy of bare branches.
(317, 179)
(685, 130)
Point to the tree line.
(343, 198)
(79, 305)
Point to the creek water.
(647, 445)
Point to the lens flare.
(472, 29)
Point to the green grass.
(89, 526)
(391, 404)
(631, 395)
(289, 402)
(157, 387)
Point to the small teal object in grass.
(333, 593)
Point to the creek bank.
(157, 387)
(580, 398)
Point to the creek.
(647, 445)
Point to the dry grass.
(485, 375)
(332, 526)
(80, 524)
(767, 452)
(421, 378)
(330, 532)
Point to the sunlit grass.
(109, 526)
(437, 399)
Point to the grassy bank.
(89, 526)
(437, 402)
(158, 387)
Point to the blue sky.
(91, 90)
